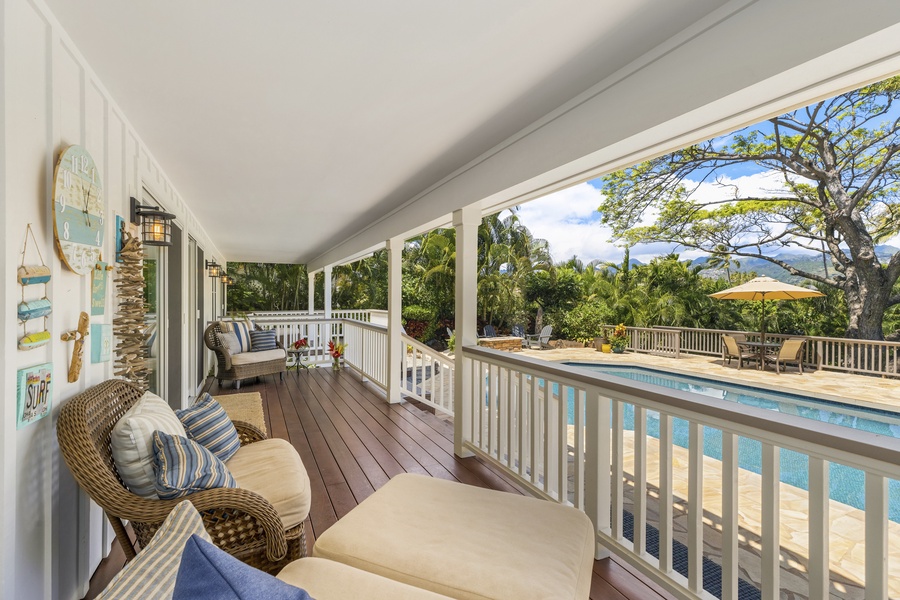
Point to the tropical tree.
(838, 162)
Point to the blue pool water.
(846, 484)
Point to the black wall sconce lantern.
(156, 225)
(227, 279)
(214, 268)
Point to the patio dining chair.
(731, 349)
(791, 351)
(540, 341)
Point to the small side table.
(295, 359)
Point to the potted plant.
(619, 338)
(336, 350)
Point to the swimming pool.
(846, 484)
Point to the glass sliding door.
(154, 302)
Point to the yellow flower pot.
(606, 348)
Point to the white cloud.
(570, 223)
(763, 184)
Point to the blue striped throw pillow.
(183, 467)
(242, 332)
(207, 423)
(152, 573)
(261, 340)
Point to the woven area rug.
(244, 407)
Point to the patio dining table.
(761, 348)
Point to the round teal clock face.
(78, 210)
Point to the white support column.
(465, 221)
(327, 286)
(312, 292)
(394, 326)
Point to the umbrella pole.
(762, 337)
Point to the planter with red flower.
(619, 339)
(336, 350)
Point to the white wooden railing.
(286, 315)
(317, 331)
(836, 354)
(427, 375)
(366, 350)
(518, 418)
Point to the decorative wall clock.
(78, 210)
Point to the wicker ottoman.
(466, 542)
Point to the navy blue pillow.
(207, 572)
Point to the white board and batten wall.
(53, 536)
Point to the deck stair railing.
(597, 443)
(835, 354)
(427, 375)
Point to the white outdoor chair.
(540, 341)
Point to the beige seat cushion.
(329, 580)
(466, 542)
(249, 358)
(273, 469)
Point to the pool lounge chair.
(540, 341)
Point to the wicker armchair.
(226, 369)
(239, 521)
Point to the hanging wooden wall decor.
(129, 326)
(77, 336)
(35, 308)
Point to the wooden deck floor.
(352, 442)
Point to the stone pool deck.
(847, 548)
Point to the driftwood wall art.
(129, 326)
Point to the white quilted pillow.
(132, 441)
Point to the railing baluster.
(665, 492)
(503, 420)
(562, 433)
(579, 466)
(639, 493)
(771, 541)
(535, 431)
(521, 428)
(819, 521)
(551, 467)
(730, 516)
(876, 537)
(695, 508)
(618, 459)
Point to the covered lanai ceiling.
(291, 126)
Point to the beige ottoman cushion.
(466, 542)
(329, 580)
(273, 469)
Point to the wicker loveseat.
(246, 364)
(240, 521)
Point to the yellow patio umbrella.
(766, 288)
